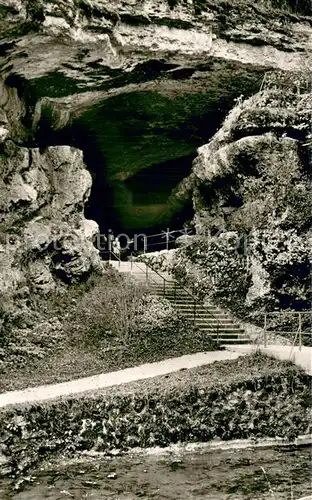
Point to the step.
(207, 317)
(201, 312)
(232, 336)
(210, 320)
(223, 328)
(223, 341)
(213, 321)
(190, 303)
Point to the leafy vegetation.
(214, 267)
(249, 397)
(105, 324)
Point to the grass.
(105, 325)
(218, 374)
(211, 376)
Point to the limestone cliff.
(159, 76)
(132, 84)
(251, 188)
(44, 235)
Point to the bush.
(215, 268)
(285, 256)
(154, 313)
(158, 261)
(249, 397)
(109, 309)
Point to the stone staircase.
(209, 318)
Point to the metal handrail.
(168, 242)
(146, 272)
(120, 261)
(169, 232)
(110, 252)
(195, 300)
(298, 333)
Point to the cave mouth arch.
(138, 148)
(139, 145)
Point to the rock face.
(159, 76)
(44, 235)
(133, 85)
(252, 182)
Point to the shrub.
(215, 268)
(154, 313)
(285, 255)
(248, 397)
(109, 308)
(158, 261)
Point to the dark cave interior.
(139, 145)
(137, 154)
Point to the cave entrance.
(139, 145)
(143, 202)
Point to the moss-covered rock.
(253, 207)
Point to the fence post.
(194, 311)
(265, 330)
(164, 287)
(175, 293)
(300, 331)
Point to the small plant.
(268, 482)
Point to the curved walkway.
(149, 370)
(300, 357)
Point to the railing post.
(194, 311)
(265, 330)
(300, 331)
(164, 287)
(175, 293)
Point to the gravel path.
(149, 370)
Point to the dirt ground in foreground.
(211, 475)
